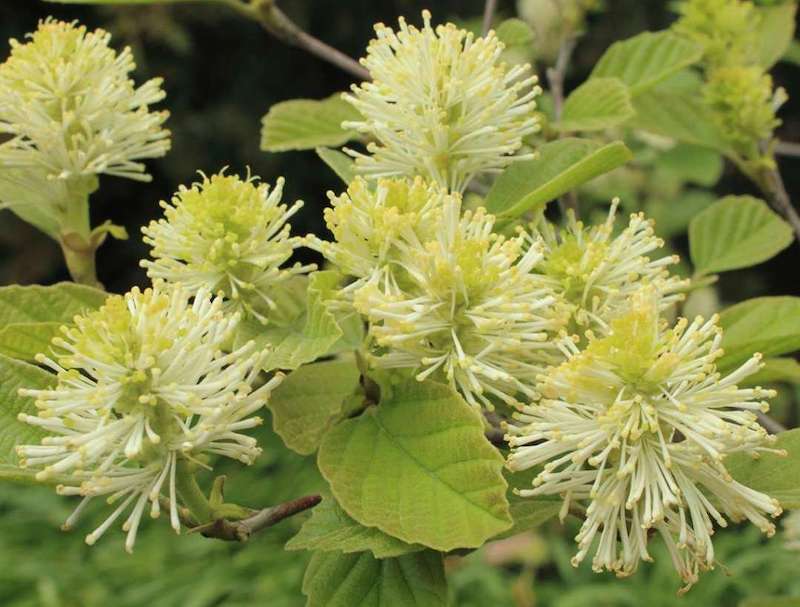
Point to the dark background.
(222, 73)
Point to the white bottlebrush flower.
(441, 104)
(596, 273)
(229, 236)
(369, 224)
(71, 109)
(639, 424)
(142, 385)
(467, 306)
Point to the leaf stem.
(555, 77)
(75, 235)
(191, 495)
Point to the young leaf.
(736, 232)
(560, 167)
(330, 528)
(528, 512)
(57, 303)
(13, 376)
(515, 32)
(308, 399)
(339, 162)
(24, 340)
(596, 105)
(347, 580)
(777, 476)
(775, 32)
(645, 60)
(770, 325)
(419, 468)
(304, 124)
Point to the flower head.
(467, 306)
(71, 109)
(725, 29)
(370, 225)
(142, 385)
(639, 424)
(229, 236)
(441, 105)
(595, 272)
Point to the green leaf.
(13, 376)
(770, 325)
(528, 512)
(347, 580)
(645, 60)
(672, 217)
(58, 303)
(596, 105)
(736, 232)
(777, 476)
(692, 163)
(304, 124)
(419, 468)
(305, 332)
(775, 32)
(515, 32)
(24, 340)
(308, 399)
(775, 370)
(330, 528)
(339, 162)
(679, 114)
(560, 167)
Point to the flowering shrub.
(478, 350)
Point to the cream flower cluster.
(465, 305)
(229, 236)
(71, 110)
(638, 425)
(441, 105)
(142, 385)
(595, 273)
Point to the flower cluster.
(143, 387)
(725, 29)
(639, 424)
(441, 105)
(595, 274)
(466, 305)
(71, 110)
(229, 236)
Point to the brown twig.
(277, 23)
(787, 148)
(555, 77)
(240, 531)
(772, 184)
(488, 15)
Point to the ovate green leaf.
(596, 105)
(308, 399)
(57, 303)
(561, 166)
(418, 467)
(24, 340)
(777, 476)
(736, 232)
(770, 325)
(350, 580)
(304, 124)
(330, 528)
(339, 162)
(645, 60)
(775, 32)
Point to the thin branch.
(787, 148)
(488, 15)
(772, 185)
(277, 23)
(771, 425)
(240, 531)
(555, 77)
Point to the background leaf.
(418, 467)
(347, 580)
(770, 325)
(596, 105)
(778, 477)
(304, 124)
(308, 399)
(736, 232)
(775, 32)
(775, 370)
(645, 60)
(330, 528)
(560, 167)
(339, 162)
